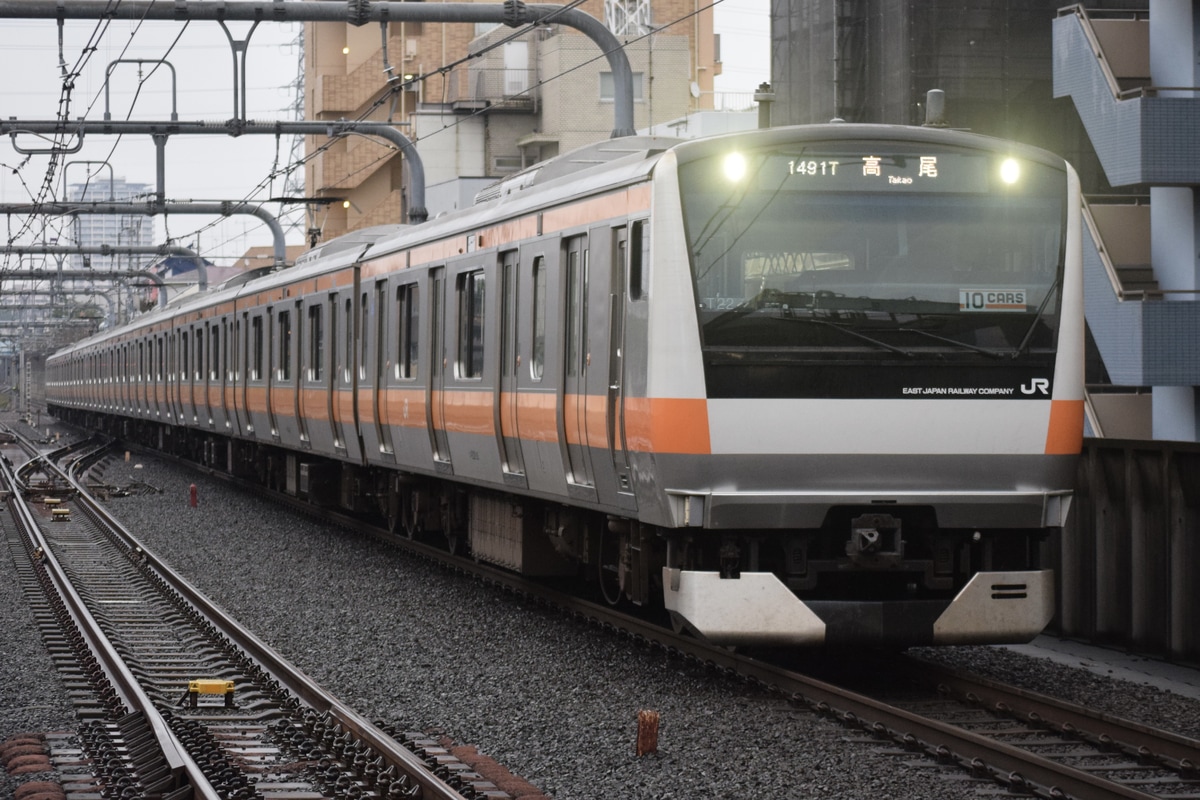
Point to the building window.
(608, 90)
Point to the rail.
(288, 676)
(124, 683)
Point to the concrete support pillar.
(1174, 221)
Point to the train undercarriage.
(866, 576)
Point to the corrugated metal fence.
(1128, 562)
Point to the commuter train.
(798, 386)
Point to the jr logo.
(1036, 385)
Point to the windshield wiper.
(955, 342)
(1021, 348)
(850, 332)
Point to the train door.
(178, 370)
(627, 245)
(242, 349)
(199, 376)
(303, 359)
(346, 404)
(436, 413)
(383, 365)
(508, 434)
(335, 368)
(577, 356)
(161, 376)
(310, 405)
(216, 375)
(271, 319)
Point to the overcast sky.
(207, 168)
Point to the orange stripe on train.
(1064, 436)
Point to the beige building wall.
(464, 121)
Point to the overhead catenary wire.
(292, 165)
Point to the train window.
(470, 324)
(408, 317)
(364, 331)
(576, 328)
(199, 354)
(639, 253)
(183, 356)
(508, 312)
(316, 344)
(256, 333)
(161, 357)
(285, 345)
(537, 357)
(349, 362)
(214, 353)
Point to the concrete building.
(484, 102)
(1133, 79)
(117, 230)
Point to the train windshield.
(888, 250)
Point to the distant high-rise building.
(116, 230)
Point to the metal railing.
(489, 87)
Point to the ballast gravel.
(551, 699)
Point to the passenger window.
(256, 332)
(470, 324)
(316, 344)
(538, 339)
(408, 316)
(285, 345)
(639, 256)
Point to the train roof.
(595, 168)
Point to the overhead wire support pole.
(417, 211)
(512, 13)
(153, 208)
(90, 275)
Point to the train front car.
(865, 396)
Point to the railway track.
(1028, 744)
(177, 700)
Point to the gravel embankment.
(552, 700)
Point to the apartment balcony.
(1143, 134)
(1144, 339)
(473, 89)
(1146, 330)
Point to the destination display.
(876, 170)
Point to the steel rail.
(124, 683)
(288, 675)
(1133, 738)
